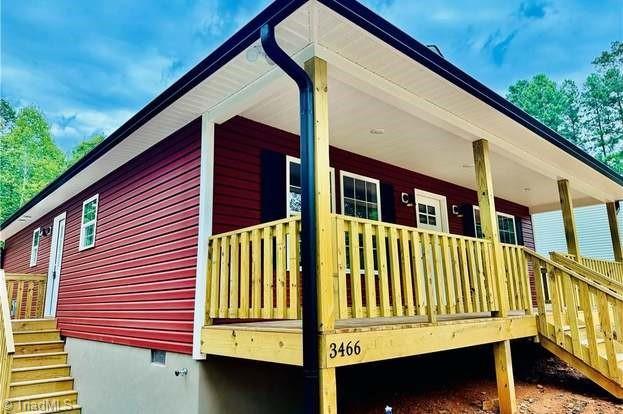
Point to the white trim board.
(206, 201)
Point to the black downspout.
(308, 215)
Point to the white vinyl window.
(89, 222)
(506, 226)
(293, 186)
(34, 250)
(360, 196)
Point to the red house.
(177, 241)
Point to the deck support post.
(316, 69)
(568, 218)
(504, 377)
(490, 230)
(614, 231)
(489, 220)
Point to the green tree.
(84, 147)
(558, 107)
(29, 157)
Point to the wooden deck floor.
(355, 341)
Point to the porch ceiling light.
(377, 131)
(467, 165)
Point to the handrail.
(597, 277)
(608, 268)
(7, 346)
(579, 315)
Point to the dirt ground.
(463, 381)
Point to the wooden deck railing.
(7, 347)
(597, 277)
(26, 293)
(586, 318)
(255, 273)
(609, 268)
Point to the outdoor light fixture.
(377, 131)
(467, 165)
(456, 210)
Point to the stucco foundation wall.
(121, 379)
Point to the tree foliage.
(590, 116)
(29, 157)
(84, 147)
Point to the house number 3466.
(344, 349)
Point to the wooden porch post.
(490, 230)
(614, 231)
(568, 217)
(316, 68)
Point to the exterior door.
(431, 211)
(54, 269)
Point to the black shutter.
(273, 186)
(388, 206)
(519, 230)
(469, 227)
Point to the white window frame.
(83, 225)
(444, 207)
(364, 178)
(295, 160)
(34, 250)
(497, 213)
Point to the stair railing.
(7, 347)
(568, 303)
(587, 272)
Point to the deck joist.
(356, 341)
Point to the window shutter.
(519, 230)
(388, 207)
(273, 186)
(469, 227)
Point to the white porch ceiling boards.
(429, 122)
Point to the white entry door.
(54, 269)
(431, 211)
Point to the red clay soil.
(463, 381)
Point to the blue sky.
(90, 65)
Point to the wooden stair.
(41, 380)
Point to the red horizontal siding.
(137, 285)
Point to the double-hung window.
(88, 224)
(506, 227)
(361, 198)
(293, 186)
(34, 250)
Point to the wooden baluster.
(538, 268)
(447, 272)
(603, 308)
(355, 271)
(418, 273)
(243, 311)
(381, 253)
(342, 289)
(491, 298)
(467, 292)
(430, 274)
(280, 290)
(224, 282)
(474, 276)
(512, 299)
(369, 271)
(234, 274)
(456, 271)
(294, 310)
(214, 277)
(256, 273)
(438, 277)
(395, 272)
(557, 306)
(405, 261)
(267, 276)
(572, 313)
(589, 322)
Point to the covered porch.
(387, 288)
